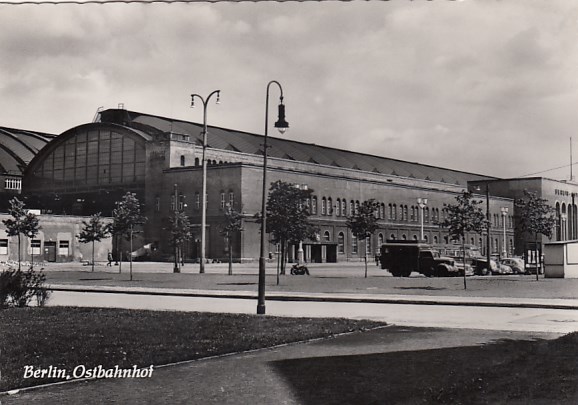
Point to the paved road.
(260, 377)
(447, 316)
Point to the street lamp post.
(282, 126)
(176, 268)
(488, 225)
(504, 211)
(204, 180)
(422, 203)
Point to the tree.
(180, 229)
(536, 217)
(288, 215)
(363, 223)
(22, 223)
(93, 231)
(463, 217)
(232, 224)
(127, 216)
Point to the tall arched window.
(353, 244)
(338, 208)
(182, 160)
(344, 207)
(326, 236)
(329, 206)
(323, 206)
(340, 243)
(314, 205)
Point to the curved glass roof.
(18, 147)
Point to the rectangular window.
(222, 200)
(63, 248)
(232, 199)
(3, 246)
(35, 245)
(353, 244)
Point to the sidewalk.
(571, 304)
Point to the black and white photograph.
(288, 202)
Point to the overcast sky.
(483, 86)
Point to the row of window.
(402, 212)
(495, 243)
(36, 247)
(12, 184)
(226, 198)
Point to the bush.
(18, 288)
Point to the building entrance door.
(50, 251)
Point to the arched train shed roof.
(18, 147)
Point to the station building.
(88, 168)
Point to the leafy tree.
(232, 224)
(126, 217)
(22, 223)
(93, 231)
(180, 229)
(288, 216)
(463, 217)
(536, 217)
(363, 223)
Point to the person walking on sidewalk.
(109, 259)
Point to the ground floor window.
(64, 248)
(35, 245)
(354, 244)
(3, 246)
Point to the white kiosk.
(561, 259)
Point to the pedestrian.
(109, 259)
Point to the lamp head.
(192, 101)
(281, 124)
(218, 98)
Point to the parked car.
(480, 265)
(503, 269)
(516, 263)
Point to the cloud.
(408, 80)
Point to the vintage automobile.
(401, 258)
(515, 263)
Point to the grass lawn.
(68, 337)
(504, 372)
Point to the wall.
(561, 259)
(55, 232)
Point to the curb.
(319, 297)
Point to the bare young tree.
(93, 231)
(126, 219)
(22, 223)
(536, 217)
(232, 225)
(464, 216)
(363, 223)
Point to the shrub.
(18, 288)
